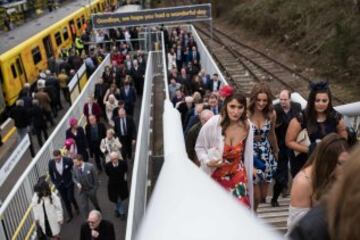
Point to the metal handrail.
(166, 80)
(37, 167)
(142, 137)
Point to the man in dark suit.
(193, 134)
(92, 108)
(84, 175)
(60, 171)
(194, 54)
(214, 84)
(118, 190)
(95, 132)
(97, 228)
(128, 95)
(125, 130)
(214, 105)
(137, 74)
(285, 111)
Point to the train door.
(48, 46)
(17, 70)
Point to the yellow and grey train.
(25, 51)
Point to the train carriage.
(22, 58)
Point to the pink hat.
(73, 121)
(68, 142)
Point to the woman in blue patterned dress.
(263, 117)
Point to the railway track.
(244, 66)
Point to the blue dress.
(264, 159)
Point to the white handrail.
(207, 55)
(38, 165)
(141, 155)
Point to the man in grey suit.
(86, 181)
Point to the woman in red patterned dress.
(224, 147)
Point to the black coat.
(101, 132)
(282, 121)
(37, 117)
(80, 140)
(105, 229)
(117, 185)
(65, 180)
(20, 116)
(130, 128)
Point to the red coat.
(95, 110)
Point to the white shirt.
(59, 166)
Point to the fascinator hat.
(69, 142)
(73, 121)
(319, 86)
(226, 91)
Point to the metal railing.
(15, 212)
(166, 80)
(206, 60)
(138, 192)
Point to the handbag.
(303, 139)
(259, 164)
(39, 233)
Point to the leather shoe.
(69, 219)
(275, 203)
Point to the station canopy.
(181, 14)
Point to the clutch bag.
(303, 139)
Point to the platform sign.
(181, 14)
(14, 158)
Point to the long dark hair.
(225, 122)
(324, 161)
(258, 88)
(310, 112)
(42, 189)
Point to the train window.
(36, 55)
(65, 33)
(13, 70)
(78, 23)
(58, 38)
(18, 65)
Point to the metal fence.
(206, 60)
(138, 196)
(15, 213)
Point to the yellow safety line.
(22, 222)
(28, 235)
(9, 134)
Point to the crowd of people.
(105, 144)
(245, 144)
(242, 143)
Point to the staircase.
(275, 216)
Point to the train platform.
(21, 33)
(10, 144)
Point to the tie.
(123, 127)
